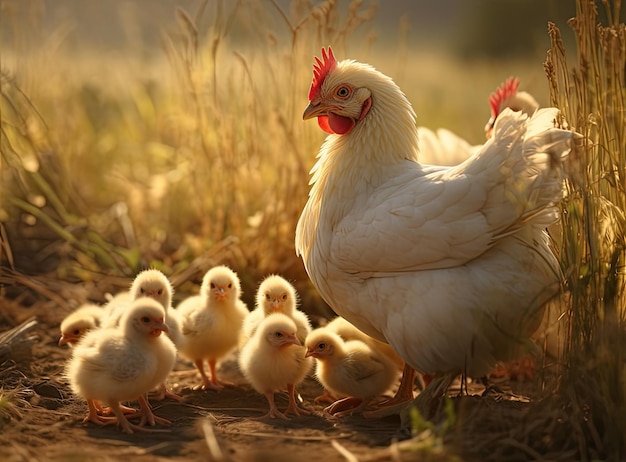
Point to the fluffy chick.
(75, 325)
(154, 284)
(272, 360)
(211, 322)
(348, 331)
(122, 364)
(349, 369)
(275, 295)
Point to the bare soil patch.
(43, 421)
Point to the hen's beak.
(314, 109)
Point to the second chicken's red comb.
(506, 90)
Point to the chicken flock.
(445, 270)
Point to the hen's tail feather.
(533, 172)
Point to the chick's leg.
(273, 412)
(206, 384)
(215, 383)
(347, 406)
(123, 422)
(162, 392)
(93, 415)
(147, 416)
(293, 407)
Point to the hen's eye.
(343, 92)
(145, 319)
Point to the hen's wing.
(361, 365)
(431, 218)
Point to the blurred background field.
(168, 134)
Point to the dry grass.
(112, 163)
(593, 249)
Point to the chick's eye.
(141, 290)
(267, 297)
(160, 291)
(76, 332)
(278, 335)
(321, 346)
(145, 319)
(284, 296)
(212, 286)
(230, 285)
(343, 92)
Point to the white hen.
(443, 147)
(211, 322)
(450, 265)
(508, 95)
(273, 360)
(123, 363)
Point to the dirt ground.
(44, 421)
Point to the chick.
(275, 295)
(148, 283)
(211, 323)
(75, 325)
(112, 365)
(272, 360)
(348, 331)
(154, 284)
(349, 369)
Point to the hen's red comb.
(321, 68)
(504, 91)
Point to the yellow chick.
(154, 284)
(112, 365)
(275, 295)
(349, 369)
(272, 360)
(348, 331)
(211, 323)
(75, 325)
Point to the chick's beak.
(65, 339)
(158, 327)
(314, 109)
(309, 352)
